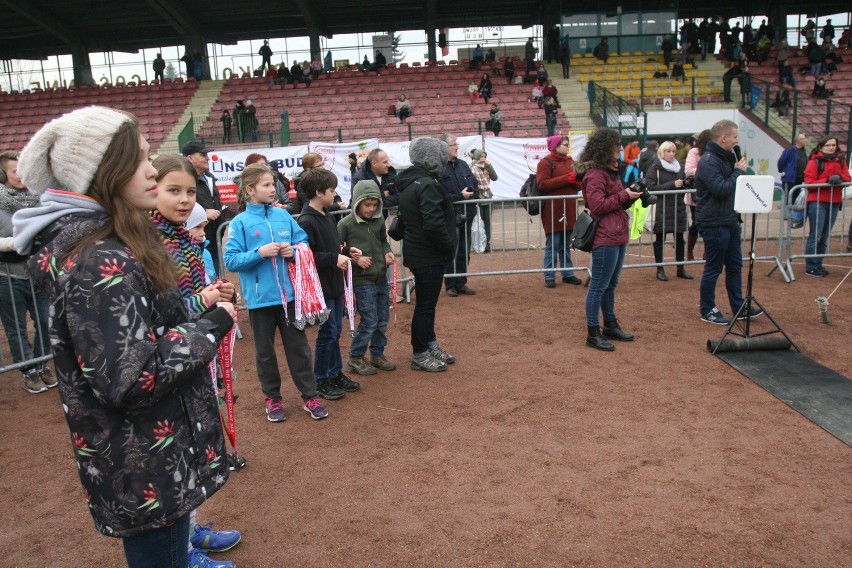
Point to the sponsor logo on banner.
(328, 153)
(533, 152)
(227, 192)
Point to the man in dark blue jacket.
(460, 184)
(377, 168)
(792, 163)
(718, 223)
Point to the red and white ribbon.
(392, 288)
(310, 303)
(349, 297)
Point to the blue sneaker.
(313, 407)
(206, 539)
(197, 559)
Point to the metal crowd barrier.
(18, 302)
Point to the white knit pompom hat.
(67, 151)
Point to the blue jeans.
(327, 361)
(372, 302)
(606, 267)
(164, 547)
(427, 281)
(722, 248)
(821, 218)
(17, 298)
(556, 253)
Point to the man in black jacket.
(377, 168)
(159, 66)
(207, 195)
(429, 243)
(718, 223)
(460, 185)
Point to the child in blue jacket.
(259, 248)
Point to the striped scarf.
(186, 253)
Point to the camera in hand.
(689, 182)
(639, 186)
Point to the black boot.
(679, 246)
(596, 340)
(682, 273)
(613, 331)
(690, 246)
(658, 257)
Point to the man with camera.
(715, 188)
(460, 184)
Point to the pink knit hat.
(553, 142)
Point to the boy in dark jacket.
(364, 228)
(318, 186)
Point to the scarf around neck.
(673, 167)
(185, 251)
(12, 200)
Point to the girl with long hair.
(131, 362)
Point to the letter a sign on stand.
(667, 104)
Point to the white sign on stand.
(754, 194)
(667, 103)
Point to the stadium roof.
(39, 28)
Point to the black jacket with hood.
(325, 242)
(427, 212)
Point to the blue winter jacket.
(787, 164)
(262, 282)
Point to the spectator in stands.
(295, 72)
(187, 61)
(538, 94)
(429, 243)
(647, 156)
(816, 56)
(832, 58)
(460, 185)
(377, 168)
(763, 45)
(738, 69)
(809, 31)
(381, 61)
(18, 296)
(606, 198)
(541, 74)
(485, 87)
(491, 58)
(493, 123)
(553, 37)
(555, 177)
(266, 53)
(725, 37)
(820, 91)
(782, 54)
(283, 74)
(845, 38)
(307, 75)
(197, 65)
(472, 91)
(365, 65)
(484, 173)
(601, 50)
(667, 47)
(226, 126)
(239, 119)
(509, 69)
(782, 103)
(316, 67)
(529, 54)
(678, 71)
(207, 195)
(665, 174)
(403, 108)
(477, 57)
(828, 31)
(792, 164)
(735, 33)
(565, 57)
(551, 110)
(704, 37)
(272, 76)
(827, 165)
(250, 119)
(159, 66)
(766, 29)
(711, 36)
(327, 62)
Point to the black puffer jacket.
(325, 242)
(429, 218)
(134, 384)
(715, 188)
(671, 210)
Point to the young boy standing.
(364, 228)
(318, 187)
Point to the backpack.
(530, 189)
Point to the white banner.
(514, 159)
(227, 165)
(336, 157)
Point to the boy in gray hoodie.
(364, 229)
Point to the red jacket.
(560, 214)
(606, 200)
(631, 154)
(835, 166)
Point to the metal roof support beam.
(44, 20)
(431, 11)
(179, 18)
(312, 24)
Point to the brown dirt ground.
(531, 450)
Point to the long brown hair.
(249, 178)
(130, 225)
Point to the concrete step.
(199, 107)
